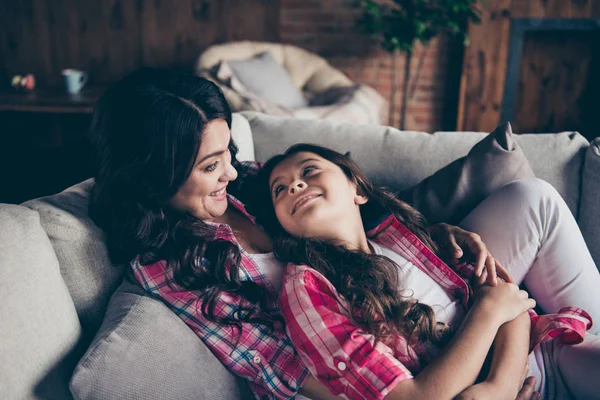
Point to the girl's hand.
(482, 391)
(496, 390)
(458, 245)
(504, 301)
(488, 391)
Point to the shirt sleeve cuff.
(377, 378)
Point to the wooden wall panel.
(485, 60)
(109, 38)
(553, 8)
(25, 38)
(101, 37)
(554, 63)
(482, 81)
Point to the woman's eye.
(211, 167)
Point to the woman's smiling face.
(204, 193)
(310, 194)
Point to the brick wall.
(327, 27)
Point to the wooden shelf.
(53, 101)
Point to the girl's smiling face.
(312, 195)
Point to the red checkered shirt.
(267, 360)
(351, 362)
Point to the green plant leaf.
(401, 23)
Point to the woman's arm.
(458, 366)
(509, 356)
(464, 356)
(512, 341)
(351, 362)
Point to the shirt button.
(341, 366)
(256, 359)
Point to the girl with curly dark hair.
(372, 309)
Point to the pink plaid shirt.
(351, 362)
(268, 361)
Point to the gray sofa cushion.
(452, 192)
(144, 351)
(589, 216)
(81, 253)
(39, 328)
(401, 159)
(558, 159)
(389, 157)
(265, 77)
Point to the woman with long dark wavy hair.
(169, 196)
(358, 296)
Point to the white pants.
(527, 226)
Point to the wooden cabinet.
(43, 146)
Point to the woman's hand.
(458, 245)
(489, 390)
(504, 301)
(528, 392)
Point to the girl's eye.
(278, 190)
(308, 169)
(211, 167)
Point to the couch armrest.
(39, 327)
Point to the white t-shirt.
(452, 312)
(273, 270)
(416, 283)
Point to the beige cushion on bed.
(306, 70)
(309, 73)
(267, 79)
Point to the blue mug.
(75, 80)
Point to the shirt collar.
(235, 202)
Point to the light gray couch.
(56, 280)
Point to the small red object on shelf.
(23, 82)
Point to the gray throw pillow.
(266, 78)
(452, 192)
(145, 351)
(589, 212)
